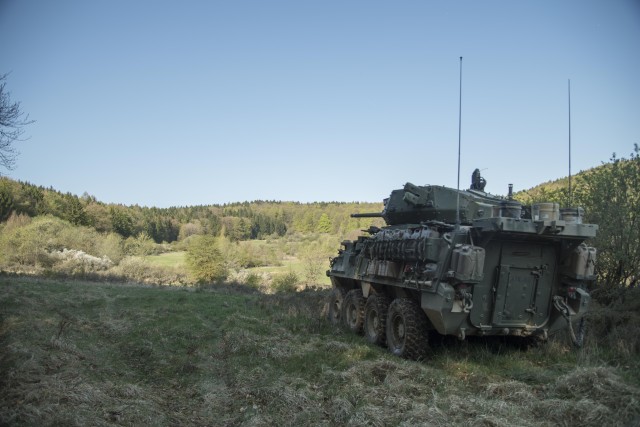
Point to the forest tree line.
(609, 194)
(236, 221)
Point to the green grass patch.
(79, 353)
(168, 259)
(287, 265)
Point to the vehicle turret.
(414, 204)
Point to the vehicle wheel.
(407, 329)
(335, 305)
(353, 310)
(375, 319)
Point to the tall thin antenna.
(459, 146)
(570, 194)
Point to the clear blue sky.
(198, 102)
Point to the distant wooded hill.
(540, 191)
(609, 195)
(238, 221)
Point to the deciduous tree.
(205, 261)
(324, 224)
(610, 195)
(12, 122)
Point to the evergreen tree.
(33, 199)
(6, 200)
(73, 210)
(121, 222)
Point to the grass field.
(288, 264)
(79, 353)
(169, 259)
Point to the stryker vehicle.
(463, 263)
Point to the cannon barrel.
(367, 215)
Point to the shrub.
(32, 243)
(82, 258)
(78, 238)
(78, 263)
(258, 281)
(110, 246)
(140, 245)
(314, 262)
(135, 269)
(285, 282)
(38, 242)
(253, 280)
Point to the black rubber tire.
(407, 330)
(375, 319)
(353, 311)
(335, 305)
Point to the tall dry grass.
(80, 353)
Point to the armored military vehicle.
(463, 263)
